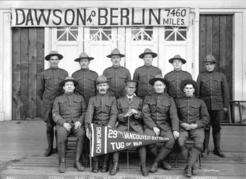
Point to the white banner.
(101, 17)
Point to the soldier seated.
(130, 119)
(102, 110)
(161, 119)
(68, 114)
(193, 115)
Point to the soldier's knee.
(181, 142)
(61, 135)
(80, 133)
(170, 143)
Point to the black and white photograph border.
(82, 81)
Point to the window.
(175, 33)
(142, 33)
(100, 34)
(67, 34)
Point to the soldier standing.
(86, 78)
(116, 74)
(146, 72)
(161, 119)
(175, 77)
(102, 110)
(49, 81)
(213, 89)
(193, 116)
(69, 113)
(130, 119)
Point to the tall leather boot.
(163, 153)
(95, 164)
(50, 138)
(206, 142)
(191, 161)
(61, 156)
(115, 167)
(79, 148)
(184, 152)
(105, 164)
(217, 150)
(142, 156)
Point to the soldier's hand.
(175, 134)
(225, 109)
(193, 126)
(186, 126)
(77, 125)
(134, 111)
(156, 131)
(67, 126)
(88, 134)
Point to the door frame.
(239, 67)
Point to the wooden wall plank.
(209, 37)
(17, 103)
(32, 70)
(216, 37)
(24, 40)
(202, 40)
(40, 63)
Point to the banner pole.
(127, 152)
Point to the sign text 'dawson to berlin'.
(101, 17)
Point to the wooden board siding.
(28, 61)
(216, 38)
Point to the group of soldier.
(175, 107)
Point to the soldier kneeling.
(68, 114)
(193, 116)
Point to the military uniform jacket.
(192, 110)
(117, 77)
(48, 83)
(69, 107)
(142, 75)
(174, 79)
(86, 83)
(159, 110)
(102, 110)
(135, 121)
(213, 89)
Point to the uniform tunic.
(174, 79)
(135, 121)
(142, 75)
(48, 83)
(102, 110)
(213, 89)
(192, 110)
(86, 83)
(69, 108)
(159, 110)
(117, 77)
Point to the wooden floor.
(22, 145)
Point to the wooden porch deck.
(23, 143)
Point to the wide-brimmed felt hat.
(157, 78)
(148, 51)
(101, 79)
(177, 57)
(53, 53)
(83, 55)
(209, 59)
(188, 81)
(68, 78)
(115, 52)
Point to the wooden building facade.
(215, 27)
